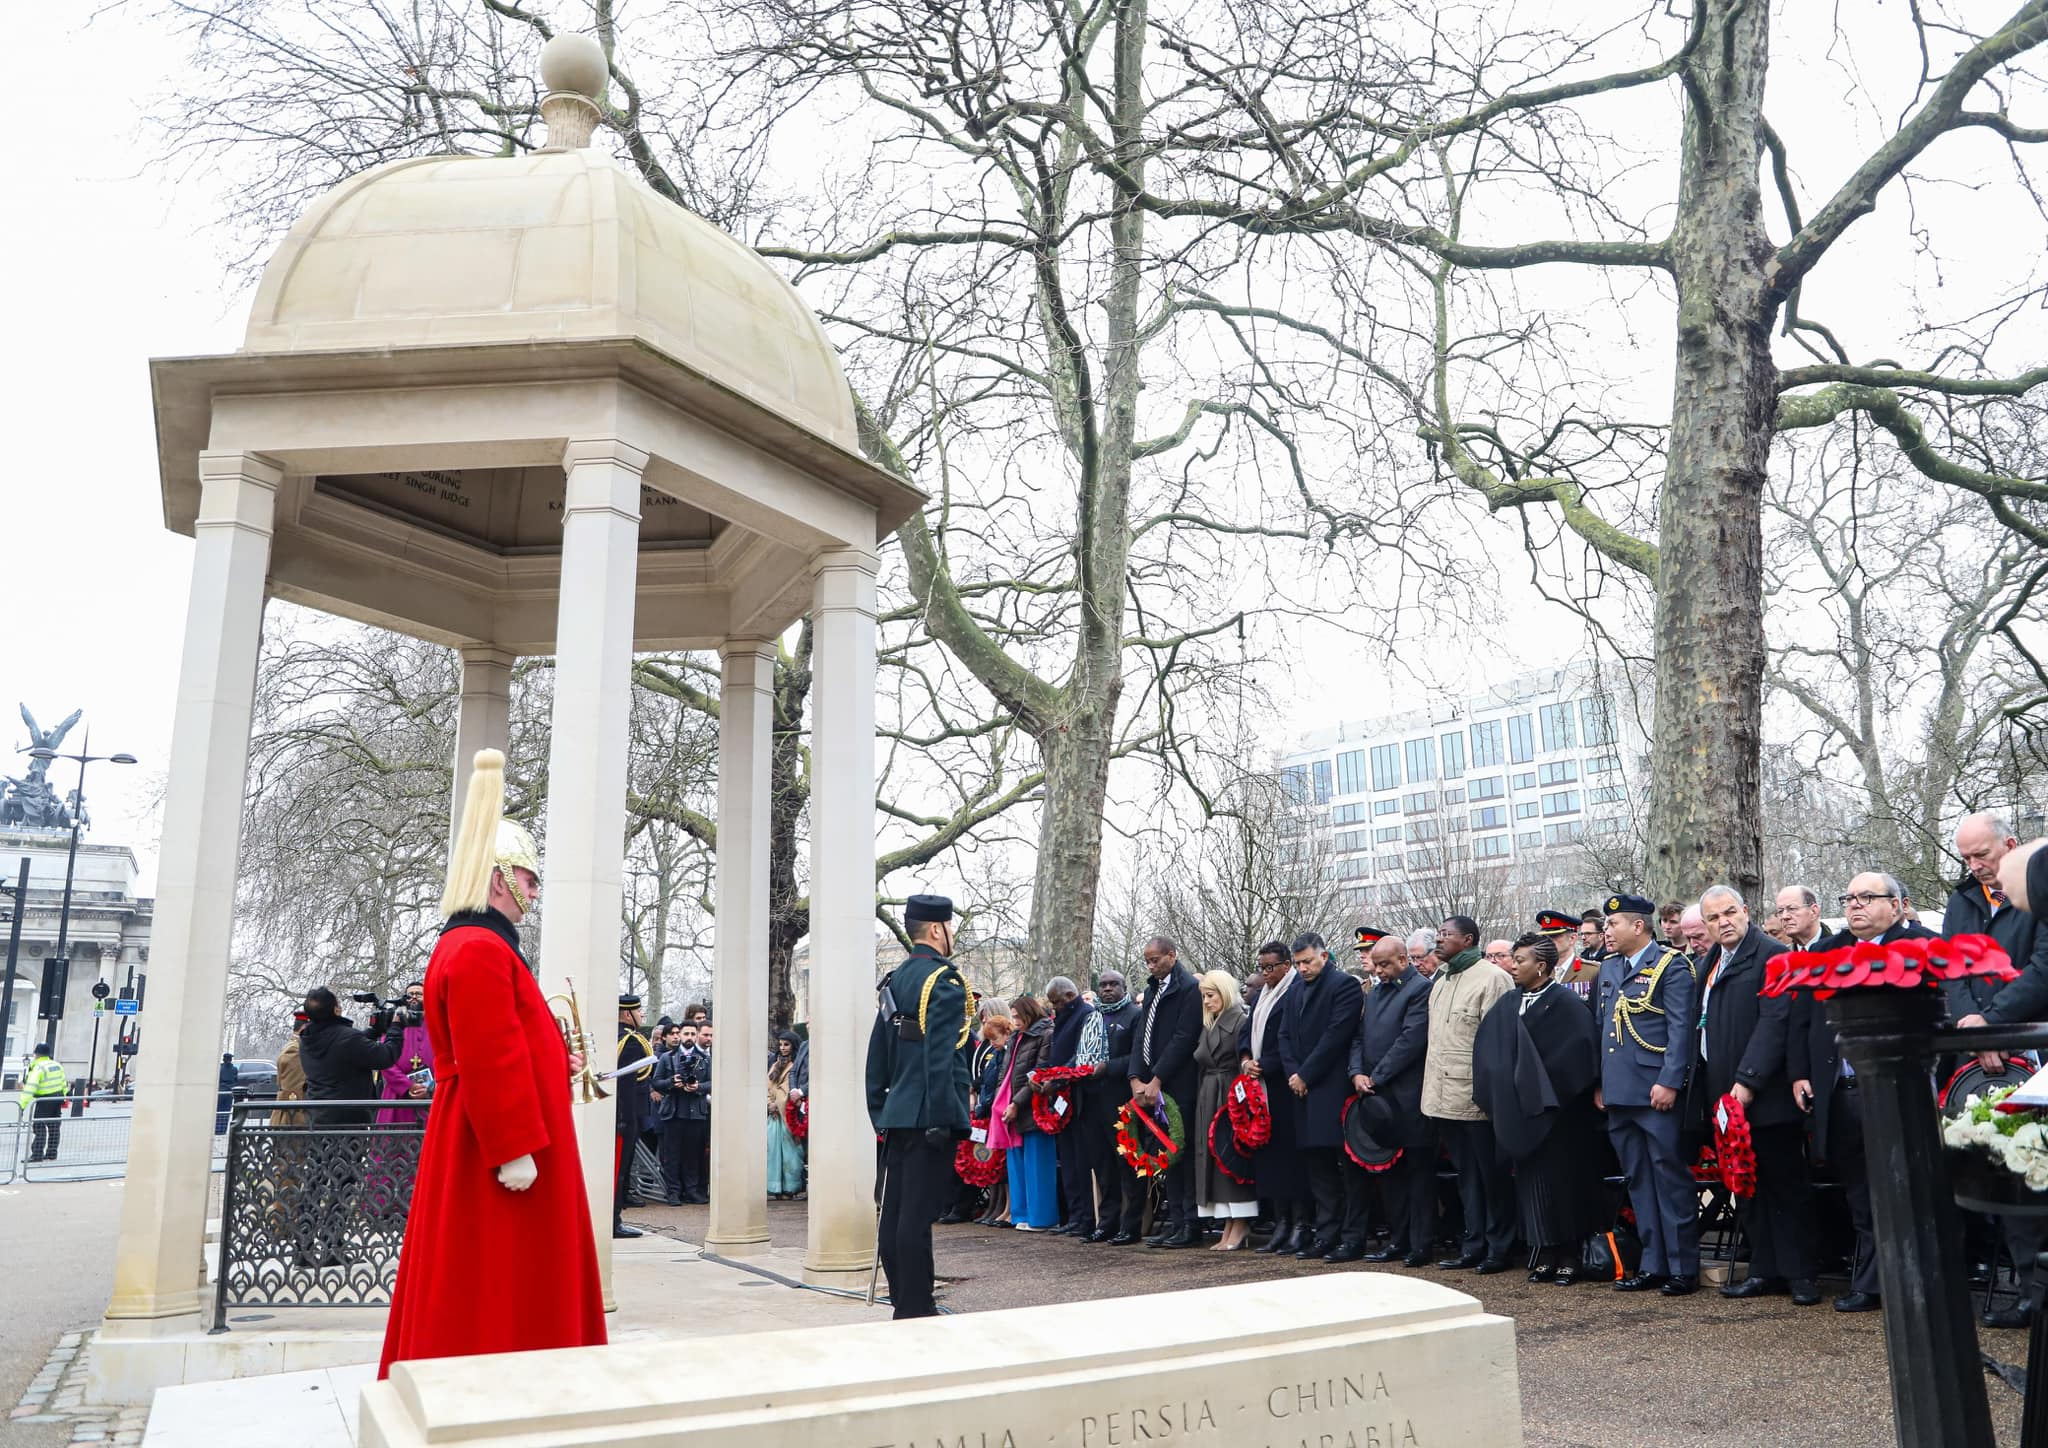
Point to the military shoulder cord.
(1627, 1007)
(924, 1003)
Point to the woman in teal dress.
(785, 1156)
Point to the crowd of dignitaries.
(1512, 1104)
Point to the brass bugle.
(576, 1041)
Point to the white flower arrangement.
(2016, 1140)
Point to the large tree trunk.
(1705, 817)
(1070, 845)
(789, 917)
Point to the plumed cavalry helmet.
(486, 841)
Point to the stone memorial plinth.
(1351, 1360)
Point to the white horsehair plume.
(475, 852)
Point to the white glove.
(518, 1174)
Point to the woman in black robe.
(1535, 1063)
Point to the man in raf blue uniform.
(1644, 1002)
(917, 1097)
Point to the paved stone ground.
(56, 1268)
(1599, 1369)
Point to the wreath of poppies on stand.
(1221, 1153)
(796, 1115)
(1150, 1149)
(1251, 1114)
(1901, 963)
(1061, 1079)
(1734, 1152)
(976, 1162)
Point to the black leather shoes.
(951, 1218)
(1384, 1254)
(621, 1230)
(1100, 1235)
(1313, 1249)
(1125, 1239)
(1490, 1266)
(1641, 1282)
(1858, 1302)
(1756, 1287)
(1346, 1252)
(2020, 1314)
(1282, 1240)
(1543, 1274)
(1805, 1292)
(1680, 1287)
(1565, 1277)
(1185, 1237)
(1460, 1264)
(1416, 1259)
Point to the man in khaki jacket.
(1465, 989)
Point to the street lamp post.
(71, 866)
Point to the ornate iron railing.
(313, 1211)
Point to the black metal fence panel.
(314, 1206)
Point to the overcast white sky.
(110, 264)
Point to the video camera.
(386, 1016)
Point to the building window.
(1420, 830)
(1603, 764)
(1565, 771)
(1523, 781)
(1322, 777)
(1382, 807)
(1419, 860)
(1490, 847)
(1521, 739)
(1420, 803)
(1528, 839)
(1351, 772)
(1568, 833)
(1487, 788)
(1349, 840)
(1526, 809)
(1386, 766)
(1596, 720)
(1294, 783)
(1558, 732)
(1607, 794)
(1454, 795)
(1387, 862)
(1493, 817)
(1421, 760)
(1565, 801)
(1452, 751)
(1353, 868)
(1486, 750)
(1386, 835)
(1610, 825)
(1348, 814)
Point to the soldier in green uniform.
(917, 1097)
(630, 1092)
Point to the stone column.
(842, 1145)
(483, 720)
(158, 1272)
(739, 986)
(583, 862)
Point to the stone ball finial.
(574, 64)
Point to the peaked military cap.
(1631, 905)
(1367, 936)
(1556, 922)
(628, 1001)
(927, 907)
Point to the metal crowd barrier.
(11, 1149)
(312, 1210)
(85, 1140)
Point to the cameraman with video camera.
(343, 1063)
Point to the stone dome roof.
(557, 245)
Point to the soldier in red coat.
(498, 1253)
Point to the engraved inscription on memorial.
(507, 510)
(1354, 1410)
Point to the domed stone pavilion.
(525, 405)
